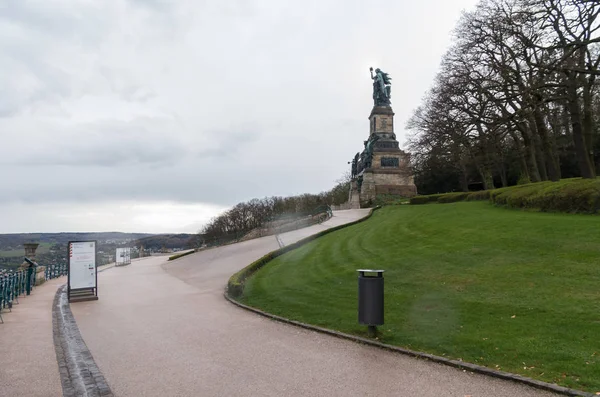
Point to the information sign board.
(123, 256)
(82, 265)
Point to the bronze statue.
(354, 170)
(368, 152)
(382, 87)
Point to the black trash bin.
(370, 297)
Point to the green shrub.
(177, 256)
(419, 200)
(480, 195)
(523, 180)
(569, 195)
(433, 198)
(389, 199)
(452, 197)
(438, 198)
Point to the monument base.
(377, 182)
(354, 197)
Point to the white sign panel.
(82, 264)
(123, 256)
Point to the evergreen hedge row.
(574, 195)
(177, 256)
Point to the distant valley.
(53, 246)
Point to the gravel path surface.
(28, 364)
(164, 329)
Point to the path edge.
(235, 289)
(430, 357)
(79, 374)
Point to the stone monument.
(382, 168)
(30, 249)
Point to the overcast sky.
(155, 115)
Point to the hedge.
(235, 285)
(574, 195)
(177, 256)
(480, 195)
(450, 197)
(569, 195)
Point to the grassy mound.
(512, 290)
(568, 195)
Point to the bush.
(177, 256)
(439, 198)
(452, 197)
(480, 195)
(389, 199)
(574, 195)
(569, 195)
(419, 200)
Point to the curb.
(431, 357)
(79, 374)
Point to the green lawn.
(516, 291)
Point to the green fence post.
(29, 276)
(2, 291)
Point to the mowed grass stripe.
(508, 289)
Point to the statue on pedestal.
(354, 171)
(368, 152)
(382, 87)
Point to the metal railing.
(14, 284)
(55, 271)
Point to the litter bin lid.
(370, 271)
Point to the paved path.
(27, 358)
(166, 330)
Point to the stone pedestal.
(30, 249)
(40, 276)
(389, 171)
(354, 196)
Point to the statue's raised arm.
(382, 87)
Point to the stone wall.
(392, 178)
(396, 190)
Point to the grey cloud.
(200, 101)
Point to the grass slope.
(516, 291)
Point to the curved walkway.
(164, 329)
(28, 364)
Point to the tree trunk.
(503, 177)
(537, 143)
(588, 124)
(533, 172)
(547, 146)
(581, 150)
(521, 151)
(464, 178)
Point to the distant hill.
(168, 241)
(16, 240)
(53, 246)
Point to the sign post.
(82, 272)
(123, 256)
